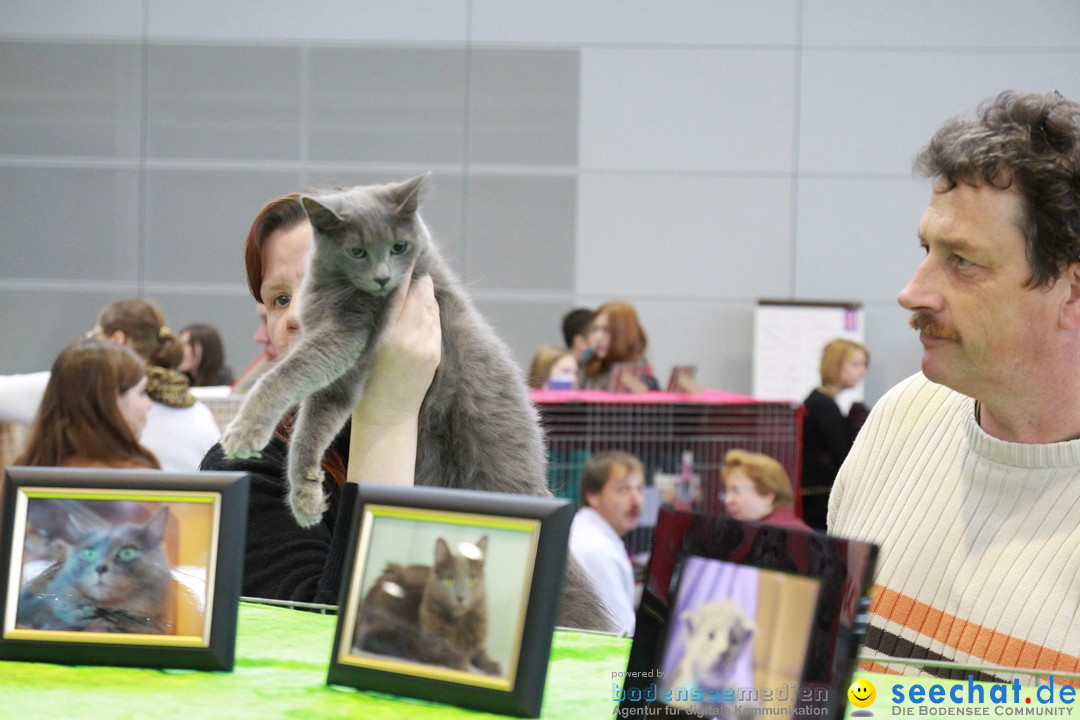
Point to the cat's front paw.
(306, 497)
(242, 441)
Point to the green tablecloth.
(281, 661)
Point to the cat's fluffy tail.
(581, 606)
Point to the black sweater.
(283, 561)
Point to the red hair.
(628, 340)
(283, 213)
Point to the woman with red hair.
(615, 336)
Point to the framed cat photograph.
(741, 619)
(103, 566)
(451, 595)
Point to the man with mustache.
(967, 475)
(611, 498)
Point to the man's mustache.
(925, 322)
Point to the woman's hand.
(406, 356)
(382, 448)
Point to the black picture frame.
(197, 523)
(525, 549)
(842, 570)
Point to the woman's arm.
(382, 448)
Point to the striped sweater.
(979, 538)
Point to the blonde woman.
(827, 434)
(757, 488)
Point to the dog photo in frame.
(451, 596)
(104, 566)
(744, 617)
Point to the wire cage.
(659, 434)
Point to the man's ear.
(1070, 309)
(589, 500)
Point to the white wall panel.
(333, 21)
(71, 18)
(685, 237)
(857, 237)
(689, 110)
(932, 23)
(870, 112)
(664, 22)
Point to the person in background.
(827, 433)
(204, 356)
(967, 474)
(611, 500)
(575, 330)
(757, 488)
(553, 368)
(93, 411)
(615, 336)
(179, 429)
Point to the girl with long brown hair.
(93, 411)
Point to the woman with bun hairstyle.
(179, 429)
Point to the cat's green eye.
(449, 581)
(128, 553)
(399, 247)
(88, 553)
(472, 580)
(357, 252)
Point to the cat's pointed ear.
(442, 551)
(321, 216)
(155, 526)
(77, 527)
(481, 545)
(406, 195)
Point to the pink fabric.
(709, 397)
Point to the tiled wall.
(689, 156)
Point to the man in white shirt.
(611, 497)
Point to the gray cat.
(436, 615)
(114, 579)
(478, 428)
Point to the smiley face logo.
(861, 693)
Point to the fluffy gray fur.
(478, 428)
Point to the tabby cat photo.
(434, 614)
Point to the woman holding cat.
(282, 559)
(94, 410)
(615, 336)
